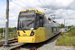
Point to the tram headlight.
(32, 33)
(31, 28)
(18, 34)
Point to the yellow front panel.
(27, 32)
(25, 37)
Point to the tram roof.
(37, 11)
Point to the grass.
(67, 39)
(9, 37)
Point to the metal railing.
(10, 35)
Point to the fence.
(10, 35)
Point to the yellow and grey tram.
(35, 27)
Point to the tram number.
(24, 35)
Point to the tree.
(69, 26)
(62, 26)
(11, 29)
(1, 30)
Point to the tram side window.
(54, 21)
(41, 21)
(49, 19)
(37, 22)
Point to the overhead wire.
(41, 3)
(45, 3)
(18, 4)
(26, 4)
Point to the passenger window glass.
(54, 21)
(37, 22)
(49, 19)
(41, 21)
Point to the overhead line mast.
(7, 22)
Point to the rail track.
(35, 47)
(9, 42)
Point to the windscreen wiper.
(23, 31)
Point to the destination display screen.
(27, 13)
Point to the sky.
(62, 9)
